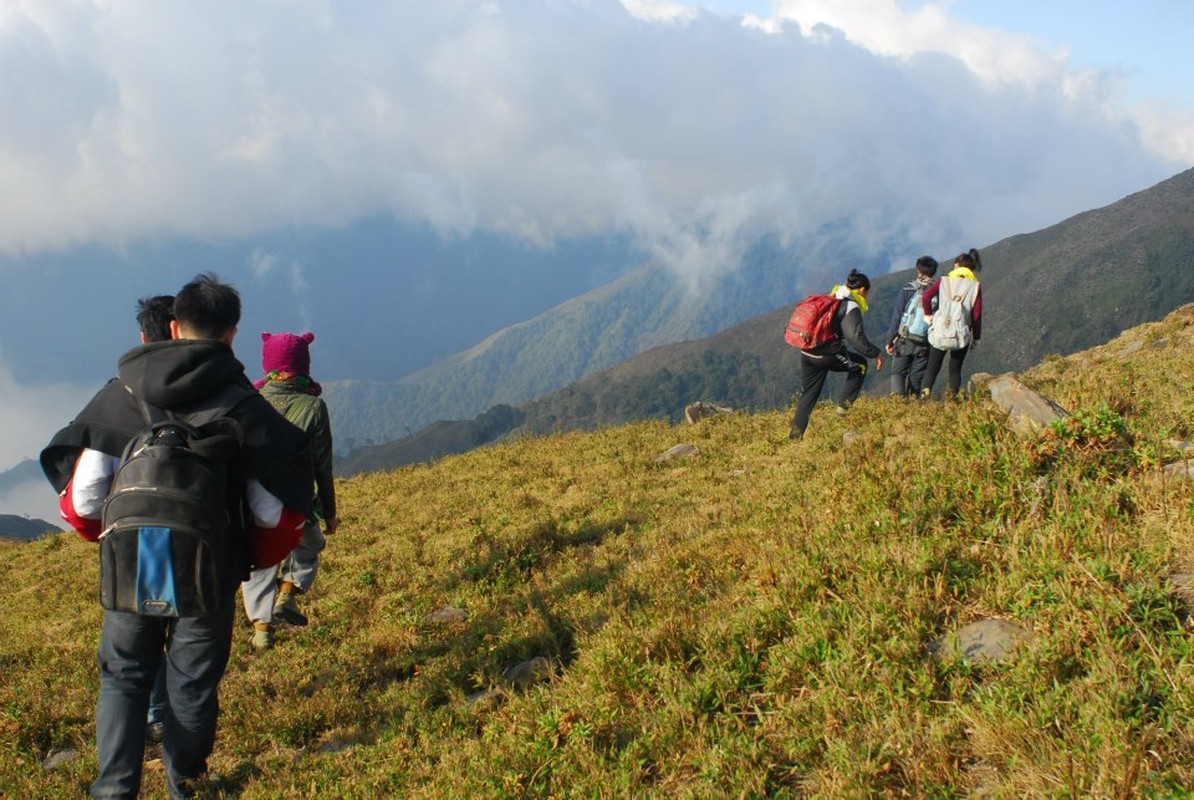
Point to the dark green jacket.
(309, 414)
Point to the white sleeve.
(91, 481)
(266, 509)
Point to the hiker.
(834, 356)
(268, 480)
(953, 304)
(271, 593)
(154, 315)
(907, 334)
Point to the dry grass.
(749, 622)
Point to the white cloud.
(887, 28)
(262, 263)
(998, 57)
(691, 132)
(29, 415)
(660, 10)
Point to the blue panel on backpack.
(155, 573)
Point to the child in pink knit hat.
(272, 594)
(285, 356)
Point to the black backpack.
(167, 520)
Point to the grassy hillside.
(1058, 290)
(753, 620)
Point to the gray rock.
(1183, 587)
(448, 615)
(699, 410)
(1027, 411)
(979, 382)
(527, 673)
(679, 451)
(487, 697)
(1179, 469)
(988, 640)
(56, 759)
(334, 745)
(1131, 347)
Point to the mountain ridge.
(1055, 290)
(649, 306)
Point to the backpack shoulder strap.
(149, 414)
(960, 290)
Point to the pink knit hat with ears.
(285, 352)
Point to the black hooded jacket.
(184, 376)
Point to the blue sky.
(1147, 41)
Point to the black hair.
(970, 260)
(154, 315)
(208, 308)
(926, 265)
(856, 280)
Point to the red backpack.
(811, 323)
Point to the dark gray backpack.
(167, 521)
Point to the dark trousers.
(813, 371)
(131, 646)
(157, 697)
(953, 376)
(908, 368)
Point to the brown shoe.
(286, 609)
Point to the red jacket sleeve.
(976, 314)
(268, 546)
(88, 528)
(926, 299)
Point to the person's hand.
(890, 350)
(928, 319)
(330, 526)
(879, 364)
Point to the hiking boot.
(263, 636)
(155, 732)
(286, 609)
(841, 410)
(925, 394)
(207, 785)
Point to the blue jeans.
(130, 651)
(157, 697)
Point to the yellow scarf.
(963, 272)
(854, 295)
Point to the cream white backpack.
(950, 329)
